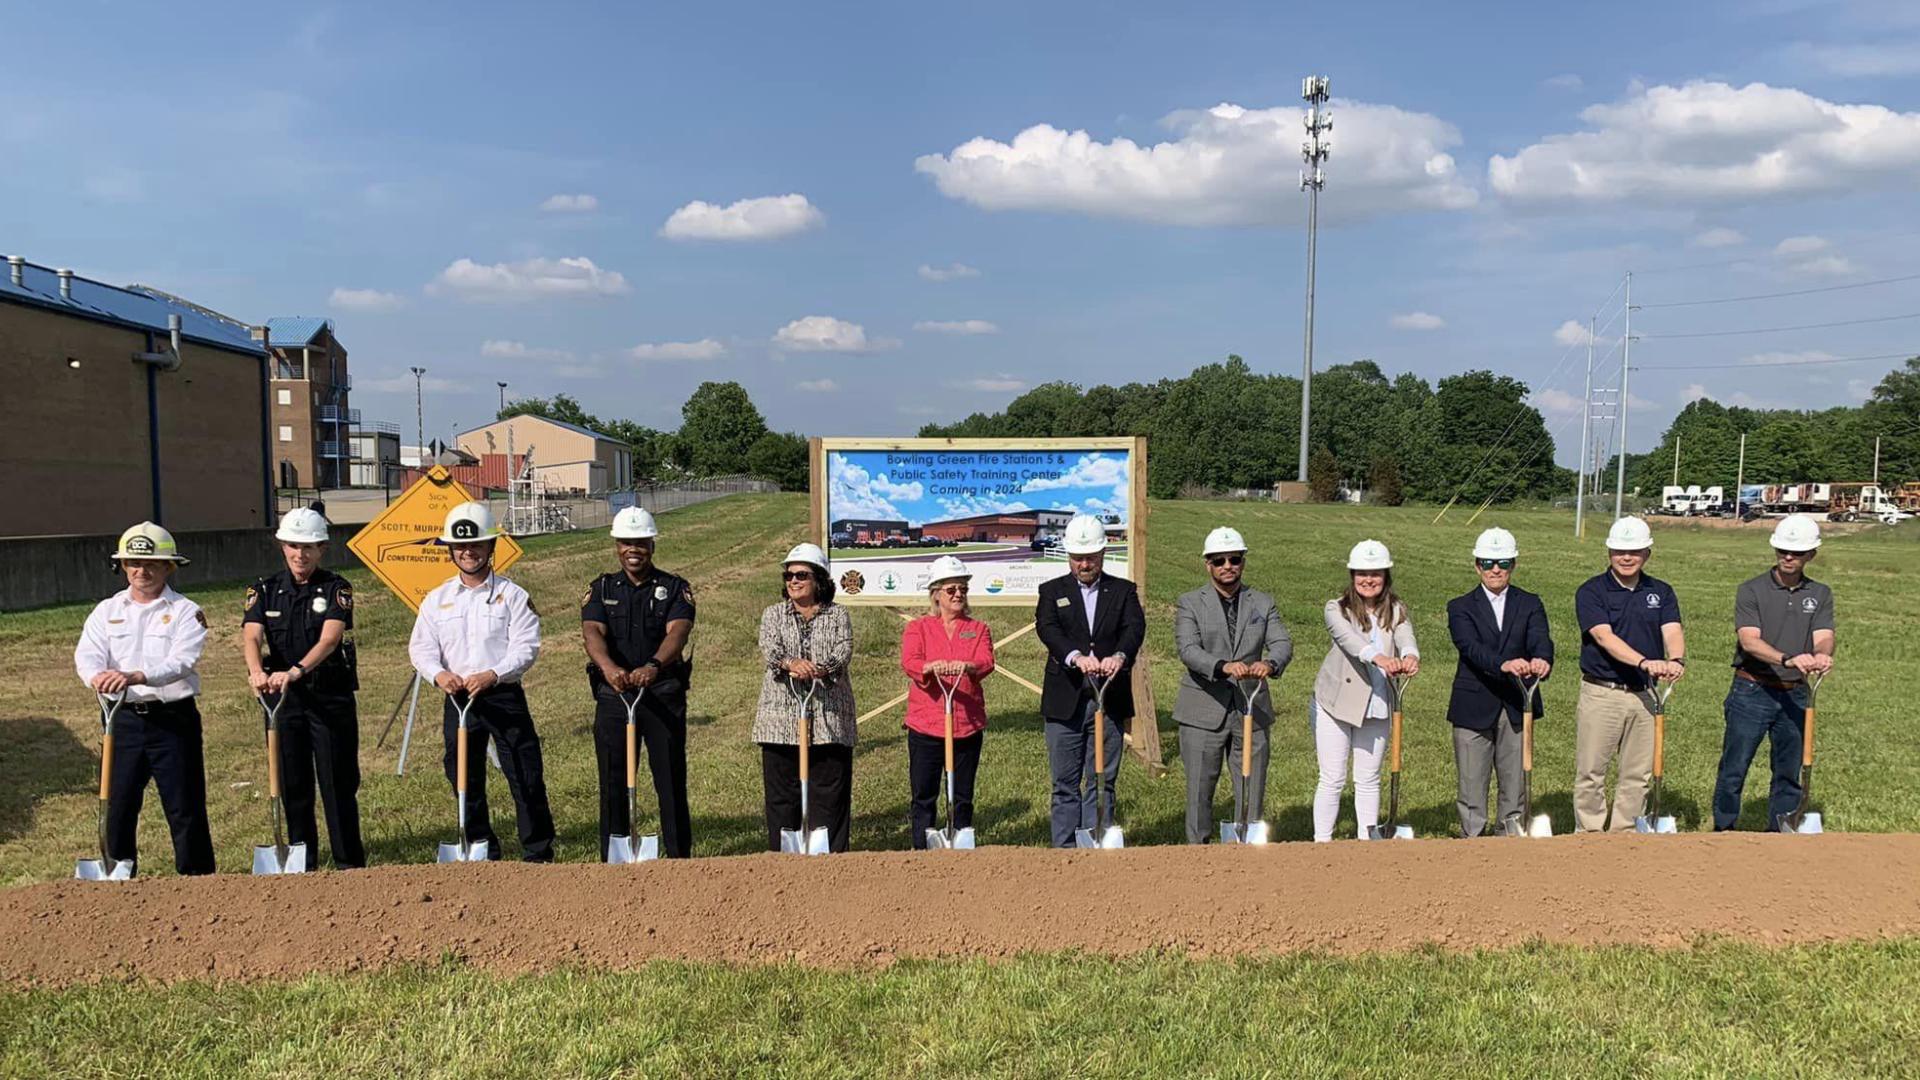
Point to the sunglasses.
(797, 575)
(1491, 564)
(1791, 554)
(954, 590)
(1225, 560)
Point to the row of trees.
(1785, 446)
(1225, 426)
(721, 432)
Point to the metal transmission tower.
(1313, 91)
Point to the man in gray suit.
(1224, 631)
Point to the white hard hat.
(1796, 532)
(149, 541)
(806, 553)
(302, 526)
(1629, 534)
(469, 522)
(1085, 535)
(1223, 540)
(1369, 555)
(1496, 543)
(634, 523)
(948, 568)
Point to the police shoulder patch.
(344, 597)
(531, 606)
(686, 590)
(588, 598)
(253, 596)
(201, 618)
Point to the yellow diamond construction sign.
(398, 546)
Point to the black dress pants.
(662, 723)
(160, 742)
(320, 741)
(829, 791)
(926, 760)
(501, 714)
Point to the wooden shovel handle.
(1396, 740)
(273, 762)
(106, 764)
(1099, 744)
(460, 754)
(1659, 744)
(1526, 739)
(1246, 746)
(1806, 742)
(806, 740)
(632, 755)
(949, 736)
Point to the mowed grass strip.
(1716, 1009)
(1868, 778)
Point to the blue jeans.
(1070, 758)
(1755, 712)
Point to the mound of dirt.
(867, 909)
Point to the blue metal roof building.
(136, 309)
(291, 332)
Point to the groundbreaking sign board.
(398, 545)
(885, 509)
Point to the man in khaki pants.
(1630, 637)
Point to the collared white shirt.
(163, 639)
(1499, 602)
(1090, 598)
(487, 627)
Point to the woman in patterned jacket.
(807, 641)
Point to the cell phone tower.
(1313, 91)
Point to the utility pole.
(1313, 91)
(1586, 429)
(1676, 459)
(1626, 365)
(1876, 461)
(1740, 477)
(419, 415)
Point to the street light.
(419, 415)
(503, 396)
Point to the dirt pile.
(866, 909)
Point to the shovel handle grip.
(806, 747)
(460, 764)
(1526, 740)
(273, 762)
(1806, 742)
(1395, 741)
(106, 764)
(1099, 743)
(1246, 745)
(949, 738)
(1659, 744)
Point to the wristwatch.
(301, 668)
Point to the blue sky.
(855, 210)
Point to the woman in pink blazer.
(947, 647)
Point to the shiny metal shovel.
(1653, 821)
(1110, 835)
(1802, 820)
(1529, 824)
(949, 838)
(804, 840)
(278, 857)
(1240, 830)
(1393, 830)
(465, 849)
(106, 867)
(621, 847)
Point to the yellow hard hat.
(149, 541)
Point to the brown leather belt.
(1771, 684)
(1606, 685)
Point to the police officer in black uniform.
(636, 623)
(297, 634)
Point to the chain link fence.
(595, 511)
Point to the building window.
(286, 433)
(285, 396)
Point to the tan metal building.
(123, 404)
(312, 422)
(566, 457)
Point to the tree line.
(1787, 446)
(1224, 426)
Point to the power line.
(1783, 363)
(1779, 295)
(1781, 329)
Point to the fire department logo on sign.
(398, 546)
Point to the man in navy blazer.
(1092, 625)
(1500, 631)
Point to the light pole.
(419, 414)
(1313, 90)
(1626, 365)
(503, 396)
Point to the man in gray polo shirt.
(1783, 621)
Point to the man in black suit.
(1092, 625)
(1500, 631)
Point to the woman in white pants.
(1372, 639)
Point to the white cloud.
(570, 204)
(959, 326)
(1709, 141)
(1567, 81)
(1226, 165)
(1090, 471)
(769, 218)
(817, 386)
(1800, 245)
(950, 272)
(824, 333)
(1416, 320)
(1555, 403)
(1769, 358)
(966, 506)
(994, 384)
(1572, 332)
(1716, 238)
(1830, 265)
(526, 280)
(704, 349)
(1693, 392)
(519, 350)
(855, 493)
(365, 300)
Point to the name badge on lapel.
(1063, 602)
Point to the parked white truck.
(1691, 500)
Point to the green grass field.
(1713, 1010)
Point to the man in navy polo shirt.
(1630, 636)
